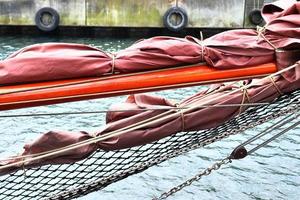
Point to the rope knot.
(181, 116)
(261, 31)
(275, 86)
(245, 97)
(202, 46)
(200, 42)
(113, 57)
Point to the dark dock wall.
(129, 13)
(138, 17)
(149, 13)
(22, 12)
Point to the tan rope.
(182, 121)
(243, 101)
(261, 34)
(200, 42)
(202, 46)
(209, 93)
(23, 166)
(245, 98)
(276, 86)
(182, 117)
(113, 57)
(133, 127)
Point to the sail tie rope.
(244, 98)
(182, 121)
(180, 109)
(261, 34)
(202, 46)
(276, 86)
(200, 42)
(113, 63)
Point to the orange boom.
(45, 93)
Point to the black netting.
(103, 168)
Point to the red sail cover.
(260, 91)
(236, 48)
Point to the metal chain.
(197, 177)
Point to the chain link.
(197, 177)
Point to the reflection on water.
(272, 173)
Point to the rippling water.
(271, 173)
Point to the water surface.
(272, 173)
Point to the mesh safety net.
(103, 168)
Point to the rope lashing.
(276, 86)
(182, 121)
(261, 34)
(181, 116)
(244, 98)
(23, 167)
(113, 63)
(201, 44)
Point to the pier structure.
(174, 15)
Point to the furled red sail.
(231, 49)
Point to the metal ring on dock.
(181, 19)
(47, 19)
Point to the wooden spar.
(45, 93)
